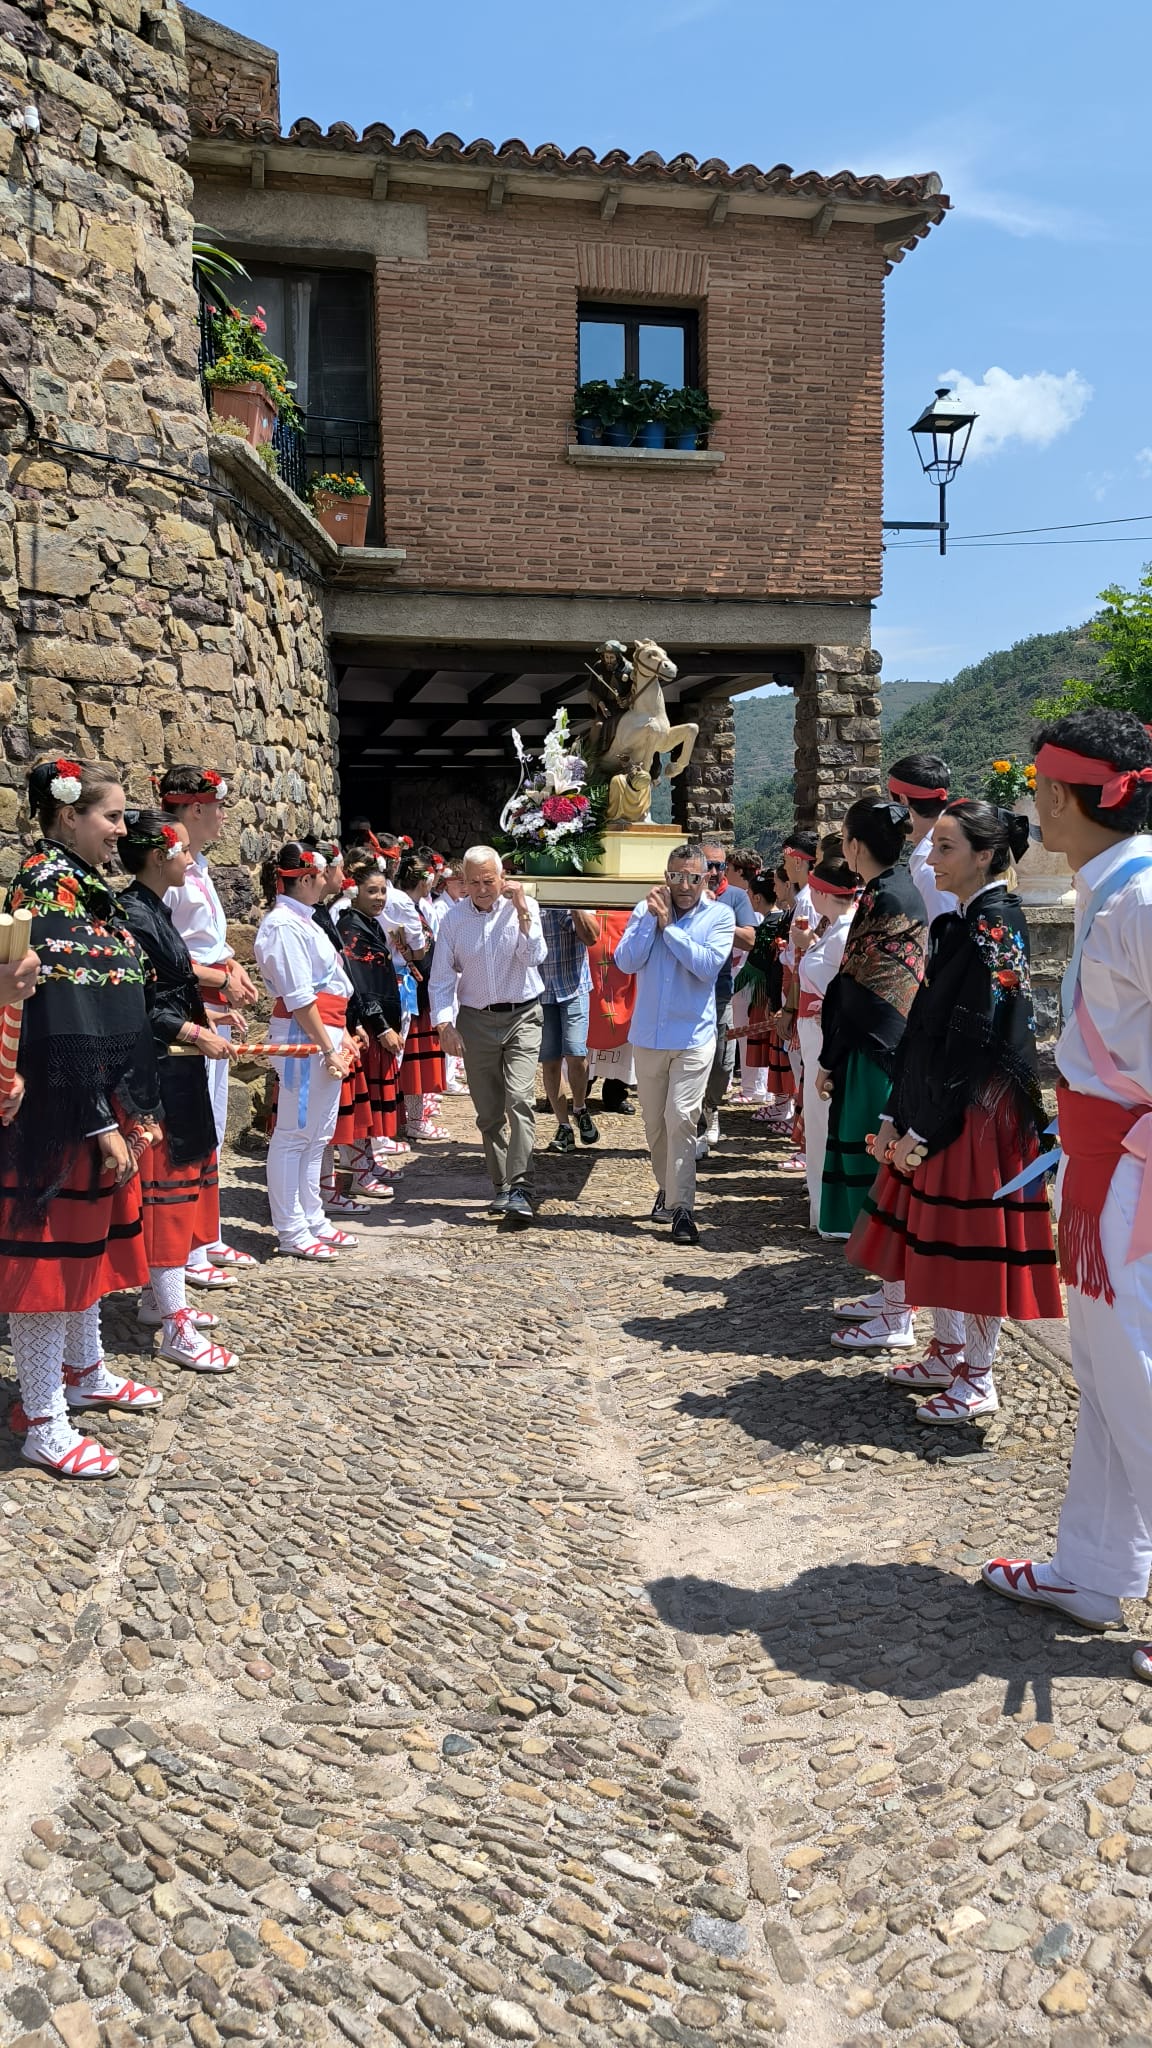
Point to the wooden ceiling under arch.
(438, 707)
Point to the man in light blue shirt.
(676, 943)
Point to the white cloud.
(1035, 408)
(992, 175)
(1144, 458)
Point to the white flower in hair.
(66, 784)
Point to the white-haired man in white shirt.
(489, 952)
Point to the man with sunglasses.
(676, 943)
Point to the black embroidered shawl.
(173, 998)
(971, 1032)
(763, 972)
(368, 959)
(85, 1045)
(868, 1002)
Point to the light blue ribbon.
(292, 1080)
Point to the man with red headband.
(1093, 795)
(921, 782)
(195, 797)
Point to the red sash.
(810, 1004)
(1092, 1137)
(333, 1009)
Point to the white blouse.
(822, 960)
(297, 961)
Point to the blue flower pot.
(688, 439)
(619, 436)
(586, 431)
(652, 434)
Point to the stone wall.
(228, 74)
(702, 796)
(166, 603)
(837, 733)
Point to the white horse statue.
(643, 730)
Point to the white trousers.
(671, 1089)
(306, 1113)
(217, 1071)
(815, 1114)
(1104, 1542)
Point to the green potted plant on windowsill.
(341, 505)
(687, 416)
(248, 382)
(589, 407)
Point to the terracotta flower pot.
(251, 405)
(346, 519)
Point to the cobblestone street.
(549, 1637)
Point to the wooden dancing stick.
(267, 1049)
(15, 941)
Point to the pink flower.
(560, 810)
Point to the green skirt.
(849, 1168)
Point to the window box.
(600, 456)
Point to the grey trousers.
(723, 1064)
(501, 1054)
(671, 1088)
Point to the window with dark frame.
(638, 341)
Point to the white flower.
(65, 788)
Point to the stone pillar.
(702, 796)
(837, 733)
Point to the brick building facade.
(159, 591)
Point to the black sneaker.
(520, 1212)
(661, 1213)
(684, 1230)
(498, 1206)
(589, 1135)
(564, 1141)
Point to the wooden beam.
(380, 181)
(718, 210)
(610, 201)
(822, 221)
(496, 190)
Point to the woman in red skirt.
(422, 1074)
(178, 1173)
(761, 979)
(368, 959)
(70, 1205)
(964, 1119)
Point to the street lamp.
(941, 434)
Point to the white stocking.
(82, 1342)
(38, 1352)
(894, 1302)
(948, 1327)
(167, 1284)
(981, 1336)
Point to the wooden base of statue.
(634, 857)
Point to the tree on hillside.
(993, 708)
(1123, 678)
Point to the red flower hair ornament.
(67, 782)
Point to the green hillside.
(985, 712)
(764, 732)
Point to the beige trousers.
(671, 1089)
(501, 1054)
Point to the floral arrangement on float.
(554, 823)
(1008, 782)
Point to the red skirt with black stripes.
(422, 1069)
(181, 1206)
(381, 1073)
(89, 1243)
(354, 1116)
(942, 1233)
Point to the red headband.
(310, 864)
(1117, 786)
(800, 854)
(832, 888)
(913, 793)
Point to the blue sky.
(1036, 118)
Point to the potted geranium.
(687, 414)
(248, 382)
(341, 505)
